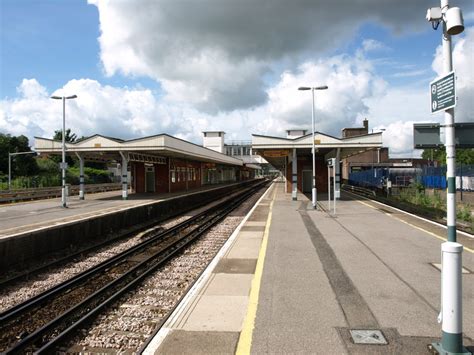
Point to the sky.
(143, 67)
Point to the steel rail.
(225, 206)
(176, 248)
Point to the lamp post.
(63, 161)
(313, 190)
(451, 251)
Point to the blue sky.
(181, 70)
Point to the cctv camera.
(454, 21)
(434, 14)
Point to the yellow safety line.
(419, 228)
(245, 340)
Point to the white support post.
(9, 171)
(124, 176)
(329, 188)
(451, 297)
(81, 176)
(294, 176)
(451, 274)
(337, 177)
(334, 169)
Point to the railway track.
(45, 321)
(371, 195)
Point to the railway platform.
(295, 280)
(22, 217)
(33, 230)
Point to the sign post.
(443, 93)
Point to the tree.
(463, 156)
(68, 137)
(22, 165)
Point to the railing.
(51, 192)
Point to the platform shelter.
(293, 156)
(160, 163)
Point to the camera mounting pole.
(451, 252)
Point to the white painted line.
(190, 296)
(413, 215)
(439, 267)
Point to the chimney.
(214, 140)
(366, 125)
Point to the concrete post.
(81, 176)
(451, 297)
(337, 176)
(294, 176)
(124, 176)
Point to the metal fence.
(428, 176)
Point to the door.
(149, 179)
(307, 181)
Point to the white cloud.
(463, 64)
(119, 112)
(351, 81)
(215, 55)
(371, 45)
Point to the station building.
(155, 164)
(292, 155)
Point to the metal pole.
(451, 280)
(329, 189)
(63, 165)
(9, 171)
(334, 174)
(313, 190)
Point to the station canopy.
(153, 149)
(276, 149)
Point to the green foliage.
(91, 176)
(464, 213)
(414, 195)
(68, 137)
(48, 166)
(21, 165)
(464, 156)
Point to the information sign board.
(443, 93)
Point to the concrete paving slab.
(229, 285)
(217, 313)
(236, 266)
(245, 248)
(199, 343)
(297, 311)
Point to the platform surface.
(18, 218)
(293, 280)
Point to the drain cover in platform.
(370, 336)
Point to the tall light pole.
(313, 190)
(63, 163)
(451, 251)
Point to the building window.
(173, 176)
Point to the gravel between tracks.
(20, 292)
(127, 325)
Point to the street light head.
(303, 88)
(57, 97)
(324, 87)
(454, 21)
(71, 97)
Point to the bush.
(91, 176)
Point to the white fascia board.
(193, 150)
(372, 140)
